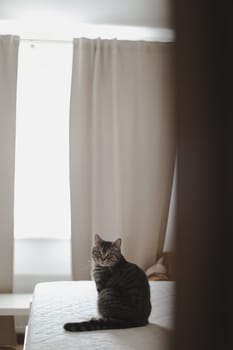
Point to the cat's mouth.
(104, 263)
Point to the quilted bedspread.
(56, 303)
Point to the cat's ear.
(117, 243)
(98, 240)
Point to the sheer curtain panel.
(8, 78)
(122, 147)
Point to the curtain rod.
(34, 32)
(54, 41)
(159, 37)
(60, 41)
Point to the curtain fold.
(122, 147)
(8, 77)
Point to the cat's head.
(105, 253)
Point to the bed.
(55, 303)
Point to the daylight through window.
(42, 199)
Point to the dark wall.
(204, 130)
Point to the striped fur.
(123, 291)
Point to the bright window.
(42, 198)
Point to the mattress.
(55, 303)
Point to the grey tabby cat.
(123, 290)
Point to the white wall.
(150, 13)
(149, 20)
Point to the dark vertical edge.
(204, 198)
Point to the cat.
(123, 290)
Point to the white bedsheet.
(56, 303)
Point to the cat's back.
(133, 276)
(136, 288)
(130, 267)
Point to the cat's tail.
(98, 324)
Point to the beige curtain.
(122, 147)
(8, 77)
